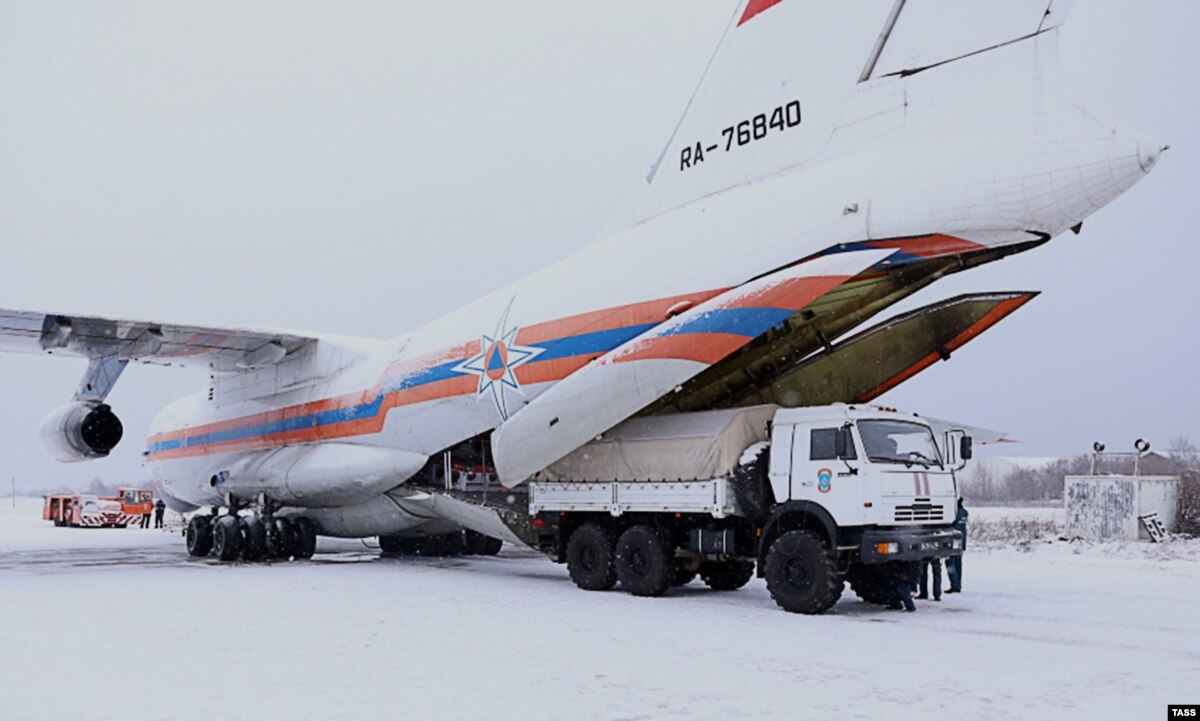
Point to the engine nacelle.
(80, 432)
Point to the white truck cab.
(866, 465)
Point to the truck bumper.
(910, 544)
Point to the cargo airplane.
(833, 159)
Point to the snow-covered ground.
(119, 624)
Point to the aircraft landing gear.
(260, 536)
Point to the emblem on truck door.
(824, 480)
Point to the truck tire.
(801, 575)
(751, 488)
(198, 536)
(253, 538)
(226, 538)
(869, 582)
(726, 575)
(304, 533)
(644, 562)
(590, 557)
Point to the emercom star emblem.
(499, 356)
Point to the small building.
(1104, 507)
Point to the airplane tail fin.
(774, 90)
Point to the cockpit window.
(899, 442)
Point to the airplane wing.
(94, 338)
(635, 374)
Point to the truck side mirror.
(841, 443)
(964, 448)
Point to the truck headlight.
(887, 549)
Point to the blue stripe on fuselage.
(741, 321)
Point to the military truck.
(807, 498)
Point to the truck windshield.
(899, 442)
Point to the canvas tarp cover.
(684, 446)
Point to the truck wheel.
(726, 575)
(198, 536)
(869, 583)
(225, 538)
(590, 558)
(801, 575)
(253, 538)
(645, 565)
(751, 488)
(304, 533)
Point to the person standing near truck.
(936, 565)
(954, 563)
(159, 509)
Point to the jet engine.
(80, 431)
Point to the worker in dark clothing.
(936, 565)
(900, 587)
(159, 509)
(954, 563)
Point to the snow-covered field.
(119, 624)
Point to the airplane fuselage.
(467, 372)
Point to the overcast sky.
(363, 167)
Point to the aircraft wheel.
(226, 538)
(451, 544)
(590, 556)
(305, 534)
(479, 544)
(489, 546)
(253, 538)
(280, 539)
(801, 575)
(198, 536)
(397, 545)
(644, 562)
(726, 575)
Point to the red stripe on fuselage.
(754, 7)
(929, 246)
(622, 316)
(792, 293)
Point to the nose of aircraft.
(1149, 151)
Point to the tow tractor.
(92, 511)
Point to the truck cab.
(869, 468)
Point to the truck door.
(818, 474)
